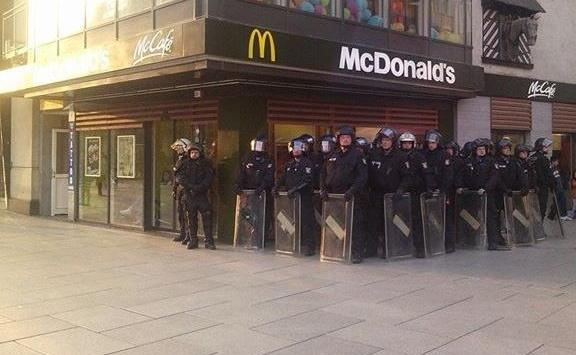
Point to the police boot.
(185, 241)
(193, 243)
(178, 238)
(209, 243)
(356, 258)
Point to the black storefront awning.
(530, 5)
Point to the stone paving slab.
(77, 289)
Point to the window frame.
(12, 13)
(466, 6)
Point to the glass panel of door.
(94, 177)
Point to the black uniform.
(383, 178)
(344, 172)
(415, 178)
(479, 173)
(528, 172)
(200, 176)
(441, 169)
(297, 177)
(544, 180)
(180, 190)
(509, 177)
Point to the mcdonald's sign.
(264, 39)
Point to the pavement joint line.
(435, 310)
(173, 314)
(72, 326)
(506, 298)
(56, 299)
(33, 350)
(387, 279)
(568, 285)
(465, 334)
(401, 295)
(536, 349)
(556, 311)
(275, 269)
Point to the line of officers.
(366, 171)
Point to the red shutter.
(564, 118)
(511, 114)
(134, 115)
(415, 120)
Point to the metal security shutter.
(511, 114)
(134, 116)
(564, 118)
(410, 119)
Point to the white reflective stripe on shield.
(285, 224)
(398, 222)
(473, 222)
(335, 227)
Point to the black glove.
(291, 193)
(348, 195)
(238, 191)
(274, 191)
(509, 193)
(323, 195)
(459, 191)
(524, 192)
(259, 190)
(481, 192)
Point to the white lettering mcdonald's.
(352, 59)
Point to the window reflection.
(129, 7)
(364, 11)
(405, 15)
(100, 11)
(318, 7)
(71, 17)
(448, 20)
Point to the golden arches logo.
(264, 38)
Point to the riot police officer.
(344, 172)
(479, 174)
(383, 178)
(256, 172)
(200, 176)
(297, 178)
(544, 176)
(415, 177)
(315, 157)
(509, 178)
(180, 186)
(327, 145)
(440, 169)
(453, 152)
(522, 156)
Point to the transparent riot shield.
(434, 223)
(398, 226)
(471, 219)
(533, 205)
(337, 222)
(553, 225)
(287, 226)
(519, 226)
(250, 224)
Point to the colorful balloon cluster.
(318, 7)
(357, 10)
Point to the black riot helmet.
(327, 143)
(522, 148)
(454, 146)
(345, 131)
(259, 143)
(310, 140)
(386, 132)
(467, 150)
(541, 143)
(432, 135)
(503, 143)
(297, 144)
(362, 143)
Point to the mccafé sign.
(352, 59)
(157, 44)
(544, 89)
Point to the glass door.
(127, 177)
(94, 177)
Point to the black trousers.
(307, 220)
(359, 226)
(417, 229)
(543, 200)
(495, 206)
(375, 230)
(199, 204)
(183, 208)
(450, 236)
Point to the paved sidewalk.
(73, 289)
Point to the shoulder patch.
(364, 161)
(308, 170)
(425, 165)
(447, 162)
(270, 166)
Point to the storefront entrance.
(111, 177)
(59, 180)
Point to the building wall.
(554, 55)
(25, 142)
(541, 121)
(472, 119)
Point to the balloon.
(346, 14)
(319, 9)
(314, 2)
(325, 3)
(352, 7)
(376, 21)
(362, 4)
(306, 6)
(366, 15)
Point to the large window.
(14, 31)
(45, 21)
(129, 7)
(71, 17)
(318, 7)
(369, 12)
(405, 15)
(448, 20)
(99, 12)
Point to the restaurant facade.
(89, 111)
